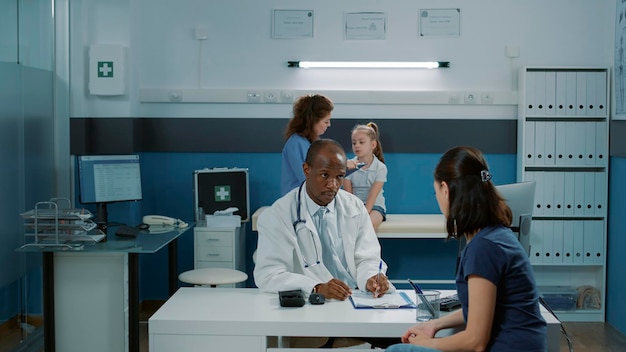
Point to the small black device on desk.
(293, 298)
(127, 231)
(450, 303)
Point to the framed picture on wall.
(365, 25)
(292, 24)
(439, 23)
(619, 72)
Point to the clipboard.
(394, 300)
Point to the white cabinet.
(220, 247)
(563, 145)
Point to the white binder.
(599, 241)
(568, 241)
(529, 142)
(600, 194)
(548, 193)
(537, 176)
(540, 142)
(601, 94)
(557, 242)
(560, 97)
(550, 108)
(590, 143)
(592, 104)
(547, 234)
(593, 241)
(579, 142)
(570, 96)
(590, 189)
(579, 193)
(560, 140)
(601, 144)
(559, 194)
(540, 92)
(530, 93)
(536, 243)
(581, 93)
(569, 201)
(549, 144)
(579, 251)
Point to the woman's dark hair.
(473, 199)
(307, 111)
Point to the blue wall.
(168, 190)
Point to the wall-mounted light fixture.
(368, 64)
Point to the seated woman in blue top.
(495, 282)
(311, 118)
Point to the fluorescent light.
(368, 64)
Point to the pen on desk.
(380, 269)
(420, 294)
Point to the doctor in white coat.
(290, 254)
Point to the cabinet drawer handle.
(212, 255)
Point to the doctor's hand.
(335, 289)
(377, 285)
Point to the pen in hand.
(380, 269)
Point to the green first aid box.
(222, 188)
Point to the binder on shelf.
(559, 193)
(560, 95)
(548, 235)
(590, 143)
(592, 104)
(579, 142)
(536, 242)
(589, 242)
(530, 94)
(540, 92)
(549, 144)
(557, 242)
(540, 142)
(550, 108)
(601, 83)
(598, 245)
(529, 141)
(600, 194)
(581, 94)
(569, 201)
(548, 193)
(559, 143)
(579, 193)
(568, 242)
(590, 189)
(537, 176)
(601, 155)
(570, 97)
(578, 243)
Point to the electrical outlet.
(176, 95)
(286, 96)
(254, 96)
(454, 99)
(470, 98)
(270, 96)
(486, 98)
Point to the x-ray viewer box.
(222, 188)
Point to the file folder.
(540, 142)
(569, 202)
(578, 243)
(560, 143)
(557, 242)
(540, 92)
(600, 194)
(601, 96)
(601, 144)
(579, 193)
(550, 144)
(536, 243)
(590, 143)
(592, 105)
(529, 142)
(589, 197)
(559, 193)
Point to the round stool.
(213, 276)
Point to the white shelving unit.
(563, 131)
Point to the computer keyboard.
(127, 231)
(449, 303)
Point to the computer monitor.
(520, 197)
(104, 179)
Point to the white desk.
(231, 319)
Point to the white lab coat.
(280, 264)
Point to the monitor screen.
(520, 197)
(109, 178)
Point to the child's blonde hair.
(371, 129)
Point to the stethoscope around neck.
(300, 223)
